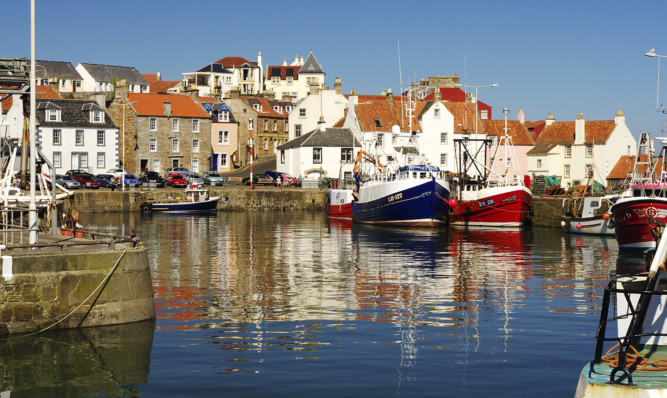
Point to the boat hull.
(631, 221)
(495, 207)
(184, 207)
(588, 226)
(340, 203)
(403, 202)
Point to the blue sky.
(564, 57)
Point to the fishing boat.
(486, 197)
(588, 212)
(644, 202)
(196, 200)
(636, 364)
(340, 203)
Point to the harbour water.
(291, 304)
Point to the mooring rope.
(634, 360)
(104, 282)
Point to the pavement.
(259, 166)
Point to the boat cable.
(102, 283)
(634, 360)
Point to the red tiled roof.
(515, 129)
(153, 105)
(595, 131)
(267, 107)
(46, 92)
(464, 117)
(232, 62)
(626, 163)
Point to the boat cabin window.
(422, 175)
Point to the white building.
(217, 78)
(98, 78)
(295, 81)
(328, 105)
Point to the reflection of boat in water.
(637, 364)
(197, 200)
(112, 359)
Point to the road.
(259, 166)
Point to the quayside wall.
(44, 288)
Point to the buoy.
(605, 216)
(453, 203)
(563, 224)
(578, 226)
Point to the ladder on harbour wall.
(539, 185)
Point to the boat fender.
(611, 224)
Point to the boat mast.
(32, 216)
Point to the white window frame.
(157, 166)
(443, 159)
(302, 112)
(444, 138)
(224, 160)
(152, 144)
(223, 116)
(57, 137)
(53, 115)
(589, 150)
(566, 171)
(194, 165)
(195, 145)
(251, 124)
(175, 145)
(101, 160)
(195, 125)
(175, 124)
(223, 137)
(568, 151)
(539, 163)
(317, 155)
(297, 130)
(57, 160)
(79, 134)
(101, 137)
(152, 124)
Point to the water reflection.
(111, 359)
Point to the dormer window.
(436, 113)
(53, 115)
(258, 107)
(223, 116)
(277, 109)
(97, 116)
(378, 123)
(288, 109)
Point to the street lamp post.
(651, 53)
(476, 109)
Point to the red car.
(87, 180)
(175, 180)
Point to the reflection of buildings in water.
(113, 359)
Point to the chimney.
(194, 93)
(619, 118)
(159, 76)
(469, 98)
(390, 96)
(338, 86)
(580, 130)
(234, 93)
(284, 61)
(384, 92)
(167, 108)
(320, 124)
(437, 96)
(550, 120)
(100, 99)
(521, 118)
(121, 89)
(314, 88)
(53, 82)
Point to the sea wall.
(547, 211)
(44, 288)
(232, 199)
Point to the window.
(175, 145)
(539, 163)
(589, 151)
(297, 130)
(266, 143)
(174, 125)
(436, 113)
(566, 172)
(302, 112)
(286, 127)
(266, 125)
(152, 144)
(378, 122)
(257, 107)
(195, 165)
(195, 125)
(275, 79)
(282, 156)
(251, 125)
(223, 160)
(288, 109)
(100, 137)
(223, 137)
(156, 165)
(443, 138)
(223, 116)
(96, 116)
(290, 79)
(568, 151)
(152, 124)
(484, 114)
(195, 145)
(628, 152)
(275, 126)
(346, 155)
(57, 137)
(380, 140)
(508, 162)
(317, 155)
(57, 160)
(83, 160)
(79, 138)
(443, 159)
(53, 115)
(101, 160)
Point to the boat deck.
(599, 374)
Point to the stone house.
(77, 134)
(225, 145)
(271, 126)
(161, 131)
(575, 150)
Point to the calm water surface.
(295, 305)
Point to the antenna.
(400, 76)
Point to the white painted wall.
(68, 146)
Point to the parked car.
(106, 180)
(131, 180)
(67, 182)
(86, 180)
(146, 177)
(185, 173)
(213, 178)
(175, 180)
(116, 172)
(194, 179)
(75, 172)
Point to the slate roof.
(542, 148)
(235, 62)
(596, 132)
(215, 68)
(56, 69)
(73, 113)
(311, 65)
(214, 108)
(330, 137)
(515, 129)
(153, 105)
(104, 73)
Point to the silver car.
(194, 179)
(213, 178)
(67, 182)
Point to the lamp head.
(495, 85)
(650, 53)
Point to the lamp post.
(506, 111)
(476, 87)
(122, 178)
(651, 53)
